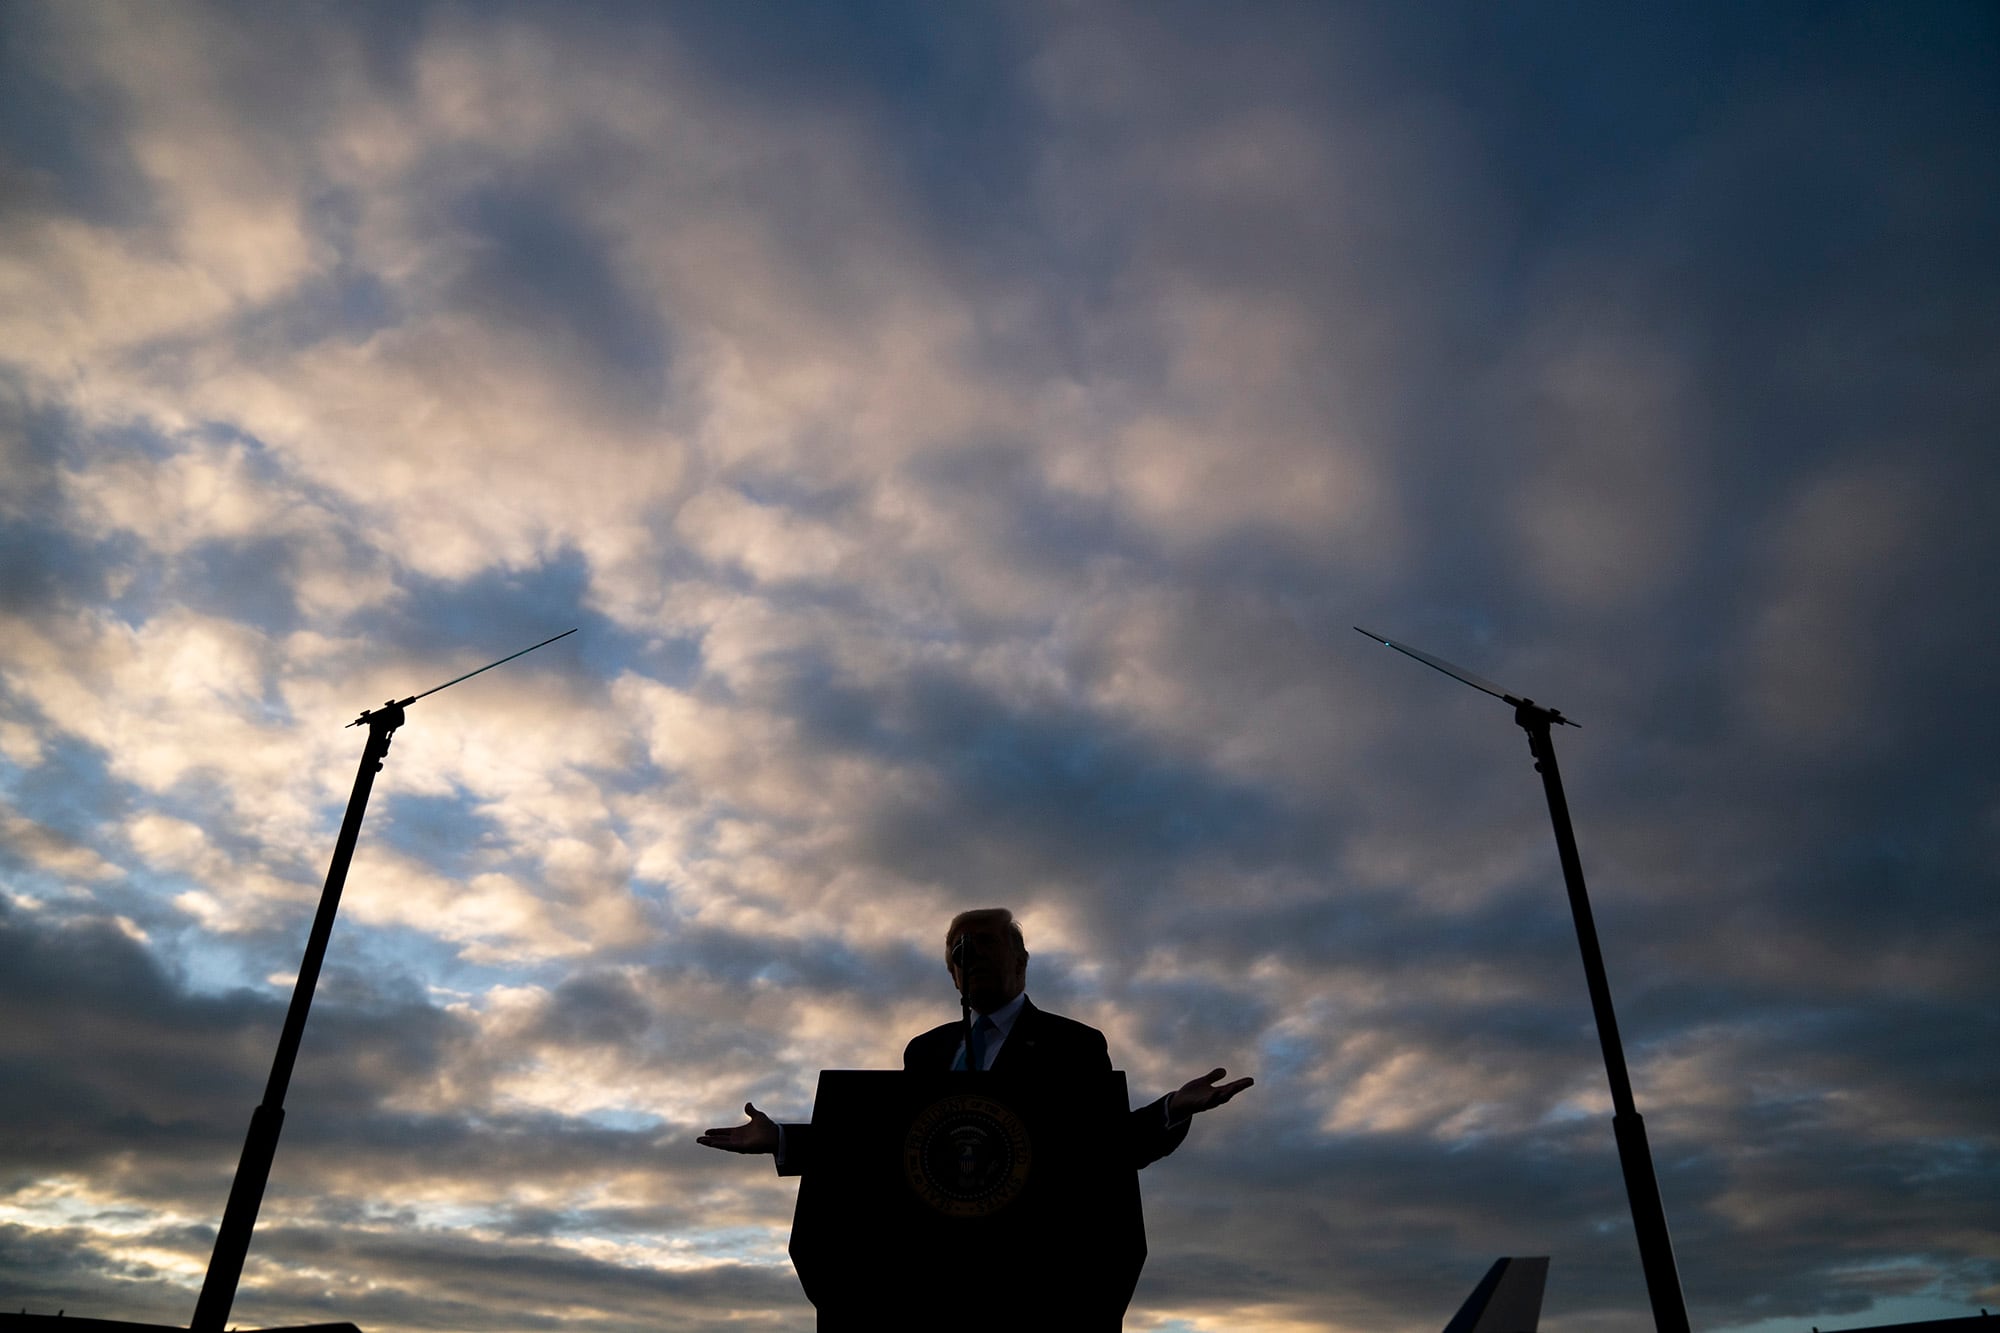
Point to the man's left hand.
(1203, 1094)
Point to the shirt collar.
(1003, 1017)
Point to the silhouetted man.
(988, 960)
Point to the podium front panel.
(993, 1198)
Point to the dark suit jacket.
(1040, 1045)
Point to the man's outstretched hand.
(760, 1135)
(1202, 1094)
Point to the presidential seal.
(967, 1156)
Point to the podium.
(968, 1201)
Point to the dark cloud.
(125, 1053)
(605, 1009)
(536, 267)
(252, 580)
(47, 565)
(1023, 794)
(68, 790)
(62, 146)
(805, 968)
(502, 609)
(47, 1270)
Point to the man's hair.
(984, 916)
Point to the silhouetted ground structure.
(1507, 1300)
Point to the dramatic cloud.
(965, 437)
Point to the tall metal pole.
(260, 1146)
(1635, 1157)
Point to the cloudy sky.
(965, 436)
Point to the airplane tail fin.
(1507, 1300)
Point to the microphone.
(958, 953)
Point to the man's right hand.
(760, 1135)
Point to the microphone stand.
(964, 1003)
(969, 1277)
(1635, 1157)
(260, 1145)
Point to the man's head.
(993, 966)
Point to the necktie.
(982, 1032)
